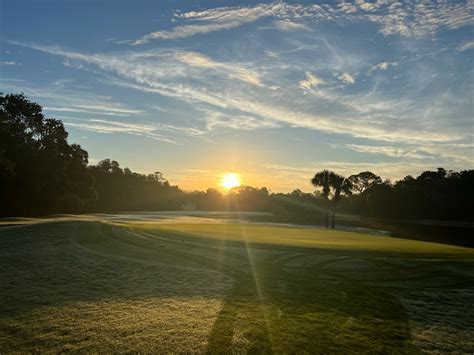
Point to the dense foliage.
(437, 194)
(41, 173)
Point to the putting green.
(317, 238)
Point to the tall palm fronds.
(339, 185)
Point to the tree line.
(438, 194)
(41, 174)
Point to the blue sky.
(274, 91)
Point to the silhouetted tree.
(377, 200)
(123, 190)
(341, 186)
(323, 180)
(364, 180)
(40, 172)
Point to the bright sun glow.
(230, 180)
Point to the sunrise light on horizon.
(230, 180)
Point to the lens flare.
(230, 180)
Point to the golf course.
(168, 283)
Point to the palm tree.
(323, 179)
(340, 185)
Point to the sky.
(274, 91)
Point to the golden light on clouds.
(230, 180)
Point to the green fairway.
(148, 283)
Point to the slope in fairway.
(123, 284)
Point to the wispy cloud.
(347, 78)
(95, 109)
(418, 19)
(232, 70)
(196, 59)
(465, 46)
(311, 81)
(391, 151)
(216, 119)
(108, 127)
(9, 62)
(271, 54)
(57, 98)
(158, 108)
(79, 110)
(288, 25)
(155, 131)
(383, 66)
(367, 6)
(445, 153)
(135, 72)
(212, 20)
(408, 19)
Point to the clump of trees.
(335, 185)
(438, 194)
(123, 190)
(40, 172)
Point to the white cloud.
(57, 98)
(7, 62)
(383, 65)
(81, 110)
(158, 108)
(155, 131)
(279, 106)
(102, 109)
(287, 25)
(216, 119)
(367, 6)
(186, 31)
(347, 7)
(310, 82)
(417, 19)
(347, 78)
(108, 127)
(271, 54)
(465, 46)
(212, 20)
(196, 59)
(444, 153)
(112, 108)
(232, 70)
(391, 151)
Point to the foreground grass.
(120, 286)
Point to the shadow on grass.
(286, 316)
(269, 308)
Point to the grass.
(117, 284)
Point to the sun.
(230, 180)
